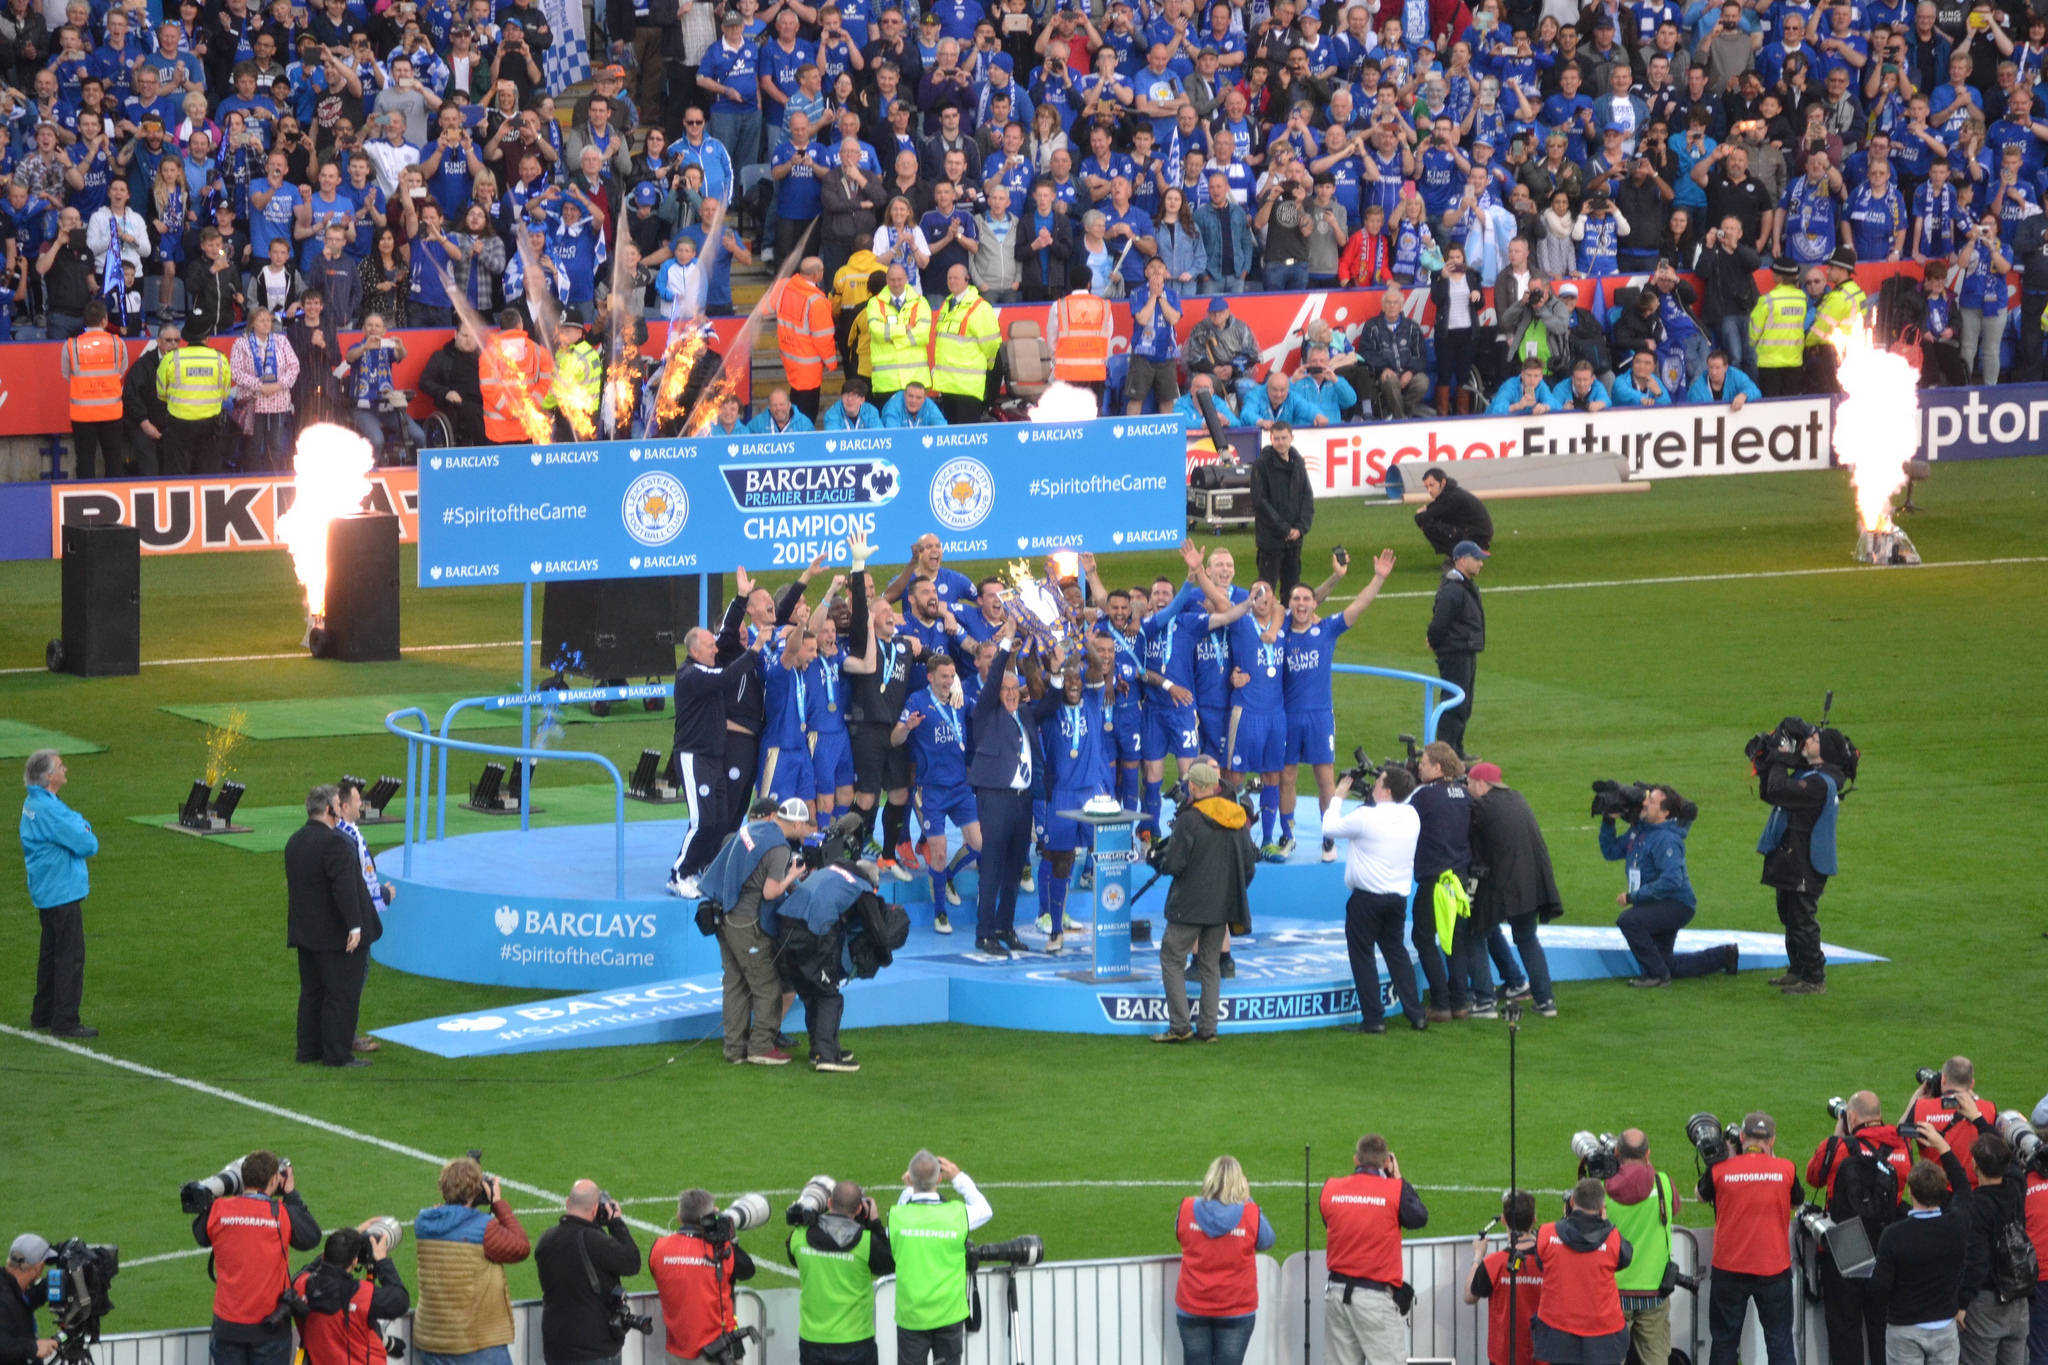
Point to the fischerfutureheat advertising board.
(510, 514)
(1679, 442)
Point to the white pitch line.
(293, 1116)
(1726, 577)
(292, 654)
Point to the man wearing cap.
(755, 869)
(19, 1343)
(1802, 780)
(1211, 860)
(1753, 1193)
(1457, 635)
(1777, 331)
(730, 70)
(1840, 307)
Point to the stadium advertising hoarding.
(1984, 423)
(1659, 443)
(510, 514)
(196, 515)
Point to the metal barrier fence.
(1438, 696)
(1114, 1312)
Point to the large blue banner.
(614, 509)
(1984, 423)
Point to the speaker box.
(362, 589)
(611, 627)
(102, 601)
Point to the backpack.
(1899, 305)
(877, 929)
(2014, 1267)
(1866, 1187)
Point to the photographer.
(464, 1244)
(1800, 773)
(253, 1234)
(752, 873)
(1580, 1319)
(1753, 1193)
(1643, 1205)
(1947, 1104)
(1659, 900)
(581, 1260)
(1210, 858)
(1379, 871)
(1862, 1166)
(838, 1253)
(1365, 1304)
(928, 1235)
(19, 1343)
(1511, 1282)
(342, 1319)
(1994, 1307)
(695, 1269)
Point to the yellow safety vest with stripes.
(193, 383)
(965, 344)
(1777, 327)
(579, 370)
(1838, 310)
(899, 341)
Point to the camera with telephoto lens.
(483, 1196)
(1837, 1107)
(1027, 1250)
(841, 843)
(811, 1201)
(620, 1316)
(2029, 1151)
(195, 1195)
(1930, 1082)
(722, 1225)
(76, 1275)
(1612, 800)
(1710, 1139)
(729, 1347)
(1365, 771)
(1599, 1157)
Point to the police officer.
(1366, 1300)
(1801, 778)
(1580, 1318)
(20, 1292)
(343, 1323)
(1777, 329)
(193, 382)
(1753, 1193)
(838, 1255)
(579, 378)
(965, 340)
(928, 1237)
(253, 1234)
(1862, 1165)
(695, 1275)
(1643, 1207)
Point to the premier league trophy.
(1047, 624)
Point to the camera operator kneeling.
(253, 1234)
(695, 1269)
(1659, 898)
(580, 1260)
(839, 1247)
(342, 1319)
(1579, 1321)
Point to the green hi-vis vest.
(1647, 1226)
(929, 1242)
(838, 1298)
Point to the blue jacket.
(1821, 848)
(1656, 860)
(997, 739)
(1183, 251)
(1325, 399)
(1512, 393)
(1191, 416)
(1296, 411)
(896, 413)
(835, 418)
(1626, 395)
(821, 898)
(1561, 394)
(1736, 382)
(764, 424)
(1218, 1219)
(1213, 223)
(55, 842)
(738, 859)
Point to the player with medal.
(1310, 647)
(824, 678)
(1073, 729)
(934, 725)
(1258, 725)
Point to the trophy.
(1046, 622)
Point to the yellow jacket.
(193, 382)
(900, 341)
(1838, 310)
(1777, 328)
(964, 345)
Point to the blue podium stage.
(535, 910)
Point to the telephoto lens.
(387, 1227)
(747, 1211)
(1927, 1075)
(2029, 1152)
(196, 1194)
(811, 1201)
(1024, 1251)
(1837, 1107)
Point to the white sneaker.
(940, 923)
(686, 887)
(1329, 851)
(1054, 942)
(952, 894)
(1028, 884)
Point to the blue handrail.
(1431, 714)
(526, 701)
(424, 737)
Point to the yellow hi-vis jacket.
(193, 382)
(1838, 310)
(900, 341)
(965, 344)
(1777, 328)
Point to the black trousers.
(1780, 381)
(190, 446)
(2028, 366)
(962, 409)
(60, 967)
(1651, 928)
(940, 1346)
(1005, 845)
(700, 778)
(805, 401)
(1443, 539)
(1462, 670)
(836, 1353)
(143, 448)
(101, 439)
(742, 761)
(330, 984)
(1799, 912)
(824, 1006)
(1280, 565)
(1855, 1317)
(1373, 920)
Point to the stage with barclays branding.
(635, 969)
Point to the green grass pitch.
(1936, 673)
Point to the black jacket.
(1457, 509)
(1789, 866)
(1920, 1265)
(453, 370)
(1440, 298)
(1445, 840)
(997, 745)
(324, 884)
(328, 1288)
(837, 1232)
(1282, 498)
(1457, 623)
(18, 1323)
(1511, 861)
(209, 300)
(139, 400)
(575, 1319)
(1729, 280)
(1211, 860)
(1984, 1210)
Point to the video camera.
(1246, 796)
(841, 842)
(1599, 1155)
(1612, 799)
(1714, 1142)
(76, 1275)
(1364, 772)
(1786, 737)
(1791, 735)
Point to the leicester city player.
(831, 747)
(1258, 720)
(1127, 714)
(1075, 737)
(934, 725)
(1168, 637)
(785, 741)
(927, 560)
(1310, 647)
(1212, 666)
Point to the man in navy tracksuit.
(1659, 900)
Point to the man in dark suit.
(331, 917)
(1006, 769)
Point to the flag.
(567, 59)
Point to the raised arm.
(1381, 567)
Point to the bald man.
(581, 1261)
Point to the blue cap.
(1468, 549)
(648, 194)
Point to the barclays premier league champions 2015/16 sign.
(510, 514)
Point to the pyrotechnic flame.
(221, 742)
(526, 408)
(331, 479)
(621, 388)
(579, 409)
(1064, 402)
(706, 412)
(1877, 423)
(685, 344)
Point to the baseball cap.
(1758, 1125)
(732, 19)
(1205, 771)
(1567, 291)
(1465, 548)
(795, 811)
(29, 1249)
(1485, 772)
(647, 194)
(1220, 304)
(614, 72)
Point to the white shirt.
(99, 235)
(1379, 845)
(978, 1210)
(388, 158)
